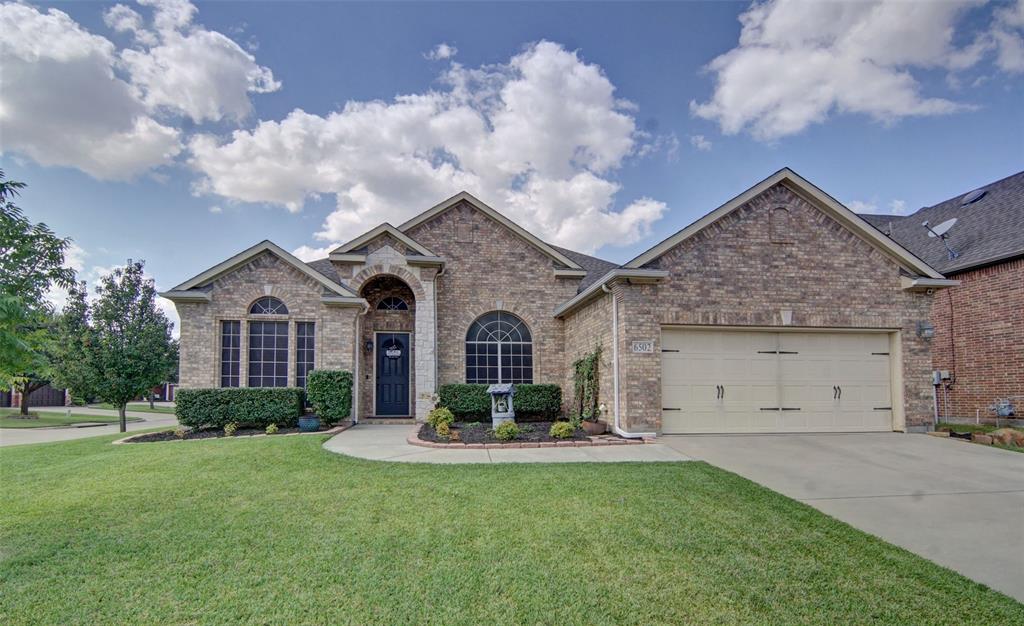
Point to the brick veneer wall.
(231, 296)
(491, 268)
(587, 328)
(985, 348)
(735, 273)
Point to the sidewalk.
(22, 436)
(387, 443)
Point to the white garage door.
(775, 382)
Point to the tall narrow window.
(268, 354)
(305, 344)
(499, 349)
(230, 352)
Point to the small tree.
(31, 263)
(120, 347)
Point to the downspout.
(615, 370)
(436, 274)
(356, 357)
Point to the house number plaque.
(643, 347)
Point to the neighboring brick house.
(979, 324)
(780, 311)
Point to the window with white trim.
(268, 354)
(230, 352)
(499, 349)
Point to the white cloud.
(539, 137)
(193, 71)
(700, 142)
(895, 207)
(312, 253)
(62, 104)
(216, 209)
(799, 62)
(1008, 34)
(70, 98)
(441, 52)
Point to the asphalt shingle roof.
(596, 268)
(986, 231)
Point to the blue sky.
(650, 128)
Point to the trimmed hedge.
(246, 406)
(473, 401)
(330, 394)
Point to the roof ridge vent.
(973, 196)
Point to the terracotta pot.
(594, 428)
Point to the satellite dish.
(941, 229)
(942, 232)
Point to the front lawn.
(276, 530)
(9, 419)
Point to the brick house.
(780, 311)
(979, 324)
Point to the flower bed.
(218, 433)
(531, 435)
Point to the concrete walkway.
(22, 436)
(958, 504)
(387, 443)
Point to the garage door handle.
(883, 408)
(670, 408)
(790, 408)
(835, 392)
(840, 393)
(770, 408)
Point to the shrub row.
(473, 401)
(246, 406)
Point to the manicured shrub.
(507, 431)
(330, 394)
(443, 429)
(440, 415)
(229, 429)
(272, 429)
(465, 400)
(473, 401)
(561, 430)
(248, 406)
(181, 432)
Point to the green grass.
(142, 408)
(277, 530)
(46, 419)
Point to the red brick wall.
(985, 348)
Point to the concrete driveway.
(955, 503)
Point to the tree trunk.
(24, 404)
(124, 420)
(151, 400)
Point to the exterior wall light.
(925, 330)
(368, 345)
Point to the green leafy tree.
(119, 347)
(31, 263)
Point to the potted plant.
(309, 423)
(591, 426)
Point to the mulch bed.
(213, 433)
(480, 432)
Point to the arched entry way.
(386, 348)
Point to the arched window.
(499, 349)
(268, 306)
(392, 303)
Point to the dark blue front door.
(393, 374)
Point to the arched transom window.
(499, 349)
(392, 303)
(268, 306)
